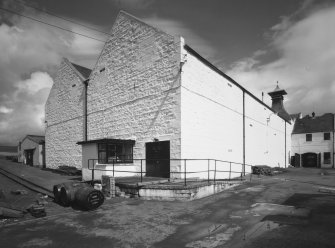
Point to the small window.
(109, 153)
(309, 137)
(326, 157)
(326, 136)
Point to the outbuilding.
(31, 151)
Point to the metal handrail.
(185, 172)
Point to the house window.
(326, 136)
(309, 137)
(109, 153)
(326, 157)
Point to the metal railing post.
(229, 171)
(215, 171)
(141, 172)
(113, 167)
(208, 170)
(184, 172)
(93, 172)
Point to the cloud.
(26, 112)
(30, 54)
(5, 110)
(133, 4)
(305, 63)
(177, 28)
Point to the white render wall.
(317, 145)
(212, 123)
(211, 117)
(265, 135)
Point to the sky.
(257, 42)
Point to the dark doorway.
(296, 160)
(158, 159)
(309, 159)
(29, 154)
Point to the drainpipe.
(85, 109)
(243, 133)
(285, 144)
(333, 139)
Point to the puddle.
(270, 208)
(37, 242)
(254, 189)
(259, 229)
(216, 239)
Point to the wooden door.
(309, 159)
(158, 159)
(29, 157)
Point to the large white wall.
(212, 122)
(265, 135)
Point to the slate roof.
(308, 124)
(295, 116)
(85, 72)
(36, 138)
(286, 116)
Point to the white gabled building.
(313, 141)
(151, 96)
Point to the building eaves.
(35, 138)
(286, 118)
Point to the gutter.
(333, 139)
(85, 109)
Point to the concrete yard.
(291, 209)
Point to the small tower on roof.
(277, 97)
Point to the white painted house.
(313, 141)
(152, 102)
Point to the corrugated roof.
(85, 72)
(309, 124)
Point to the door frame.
(164, 163)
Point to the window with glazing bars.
(109, 153)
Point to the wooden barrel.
(89, 198)
(68, 191)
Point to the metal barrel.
(68, 191)
(88, 198)
(56, 191)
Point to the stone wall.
(134, 91)
(64, 118)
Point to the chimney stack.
(277, 97)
